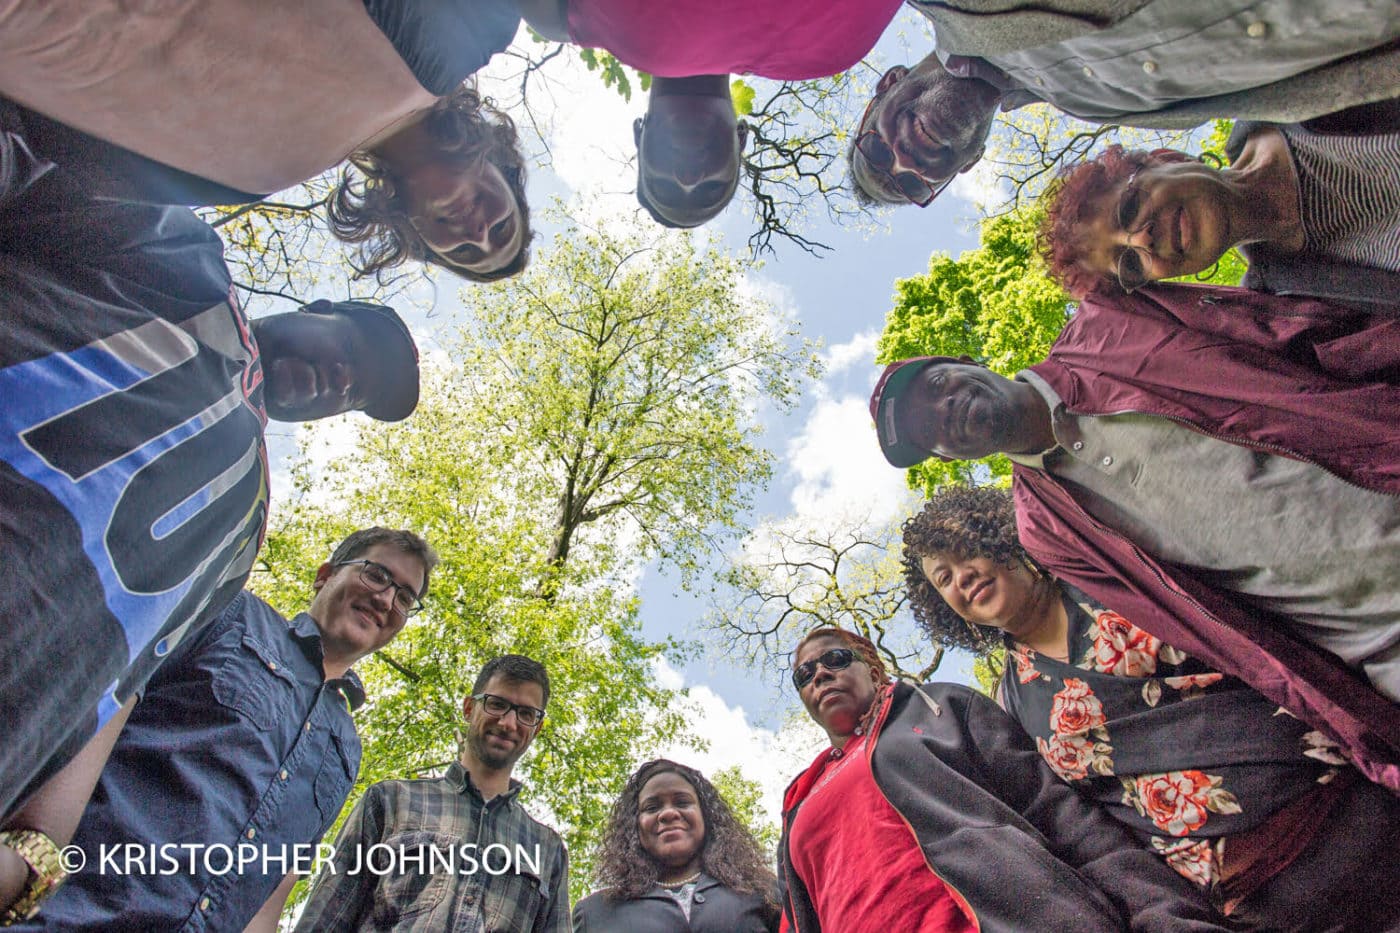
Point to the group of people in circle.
(1192, 578)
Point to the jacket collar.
(308, 638)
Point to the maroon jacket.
(1299, 378)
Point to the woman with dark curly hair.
(675, 859)
(448, 188)
(1241, 799)
(932, 813)
(1314, 207)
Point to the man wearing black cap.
(1218, 464)
(133, 471)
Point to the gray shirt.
(1284, 535)
(1176, 63)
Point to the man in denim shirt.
(241, 750)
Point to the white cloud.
(859, 349)
(838, 466)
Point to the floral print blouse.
(1184, 755)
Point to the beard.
(490, 756)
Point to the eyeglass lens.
(379, 579)
(500, 706)
(1132, 274)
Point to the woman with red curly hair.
(1314, 207)
(1237, 796)
(931, 812)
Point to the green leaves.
(600, 411)
(613, 72)
(994, 304)
(743, 95)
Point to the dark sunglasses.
(881, 157)
(1131, 269)
(837, 659)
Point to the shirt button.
(251, 832)
(1078, 445)
(282, 775)
(1150, 67)
(699, 898)
(1108, 461)
(1257, 29)
(307, 727)
(1088, 72)
(272, 665)
(204, 903)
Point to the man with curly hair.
(457, 851)
(1218, 464)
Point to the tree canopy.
(600, 411)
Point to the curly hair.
(729, 853)
(371, 212)
(1061, 238)
(968, 521)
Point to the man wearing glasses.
(456, 852)
(242, 744)
(1220, 465)
(1160, 64)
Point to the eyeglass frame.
(417, 606)
(1128, 247)
(807, 670)
(516, 708)
(860, 147)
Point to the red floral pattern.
(1121, 648)
(1068, 756)
(1075, 709)
(1178, 802)
(1025, 665)
(1193, 859)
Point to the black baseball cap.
(887, 408)
(398, 355)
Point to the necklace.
(673, 885)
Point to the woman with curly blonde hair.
(1242, 800)
(675, 859)
(448, 188)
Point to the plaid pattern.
(424, 855)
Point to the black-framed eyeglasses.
(497, 707)
(837, 659)
(378, 578)
(1130, 268)
(913, 186)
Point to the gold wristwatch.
(45, 867)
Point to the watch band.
(45, 863)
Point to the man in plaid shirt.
(456, 852)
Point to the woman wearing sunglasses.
(1314, 207)
(1248, 803)
(932, 811)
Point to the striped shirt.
(1349, 192)
(431, 854)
